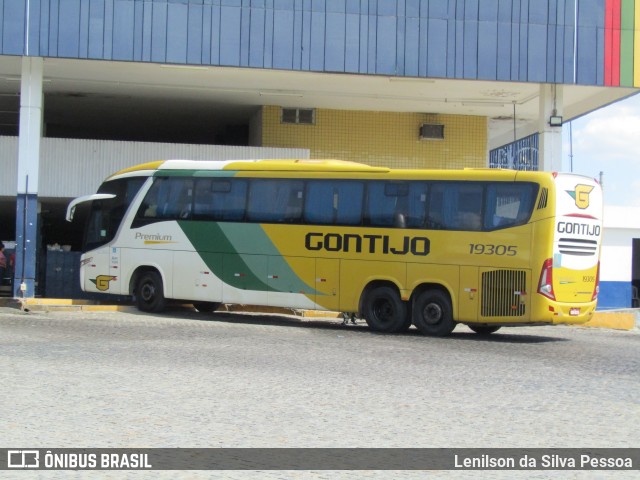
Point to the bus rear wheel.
(206, 307)
(432, 313)
(385, 311)
(484, 329)
(150, 293)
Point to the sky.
(608, 141)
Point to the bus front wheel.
(150, 293)
(432, 313)
(385, 311)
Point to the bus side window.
(508, 204)
(334, 202)
(348, 203)
(470, 206)
(219, 199)
(435, 220)
(167, 199)
(456, 206)
(417, 204)
(387, 204)
(318, 207)
(275, 201)
(202, 199)
(174, 198)
(229, 199)
(148, 210)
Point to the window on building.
(301, 116)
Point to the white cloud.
(633, 199)
(608, 141)
(611, 134)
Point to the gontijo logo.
(102, 281)
(581, 195)
(351, 242)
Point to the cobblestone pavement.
(114, 379)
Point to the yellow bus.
(482, 247)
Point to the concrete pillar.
(31, 104)
(550, 141)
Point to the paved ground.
(113, 379)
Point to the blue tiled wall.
(517, 40)
(614, 295)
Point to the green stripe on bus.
(240, 255)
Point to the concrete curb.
(616, 319)
(60, 305)
(626, 319)
(71, 305)
(279, 310)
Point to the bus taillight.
(545, 285)
(596, 289)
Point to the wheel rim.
(383, 310)
(432, 313)
(148, 292)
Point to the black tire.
(150, 293)
(432, 313)
(484, 329)
(385, 311)
(206, 307)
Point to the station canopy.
(177, 100)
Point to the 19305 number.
(491, 249)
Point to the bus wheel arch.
(383, 308)
(432, 310)
(147, 287)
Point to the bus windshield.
(107, 214)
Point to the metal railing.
(519, 155)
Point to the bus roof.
(257, 165)
(292, 166)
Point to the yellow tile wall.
(382, 138)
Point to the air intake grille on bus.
(501, 293)
(542, 203)
(578, 247)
